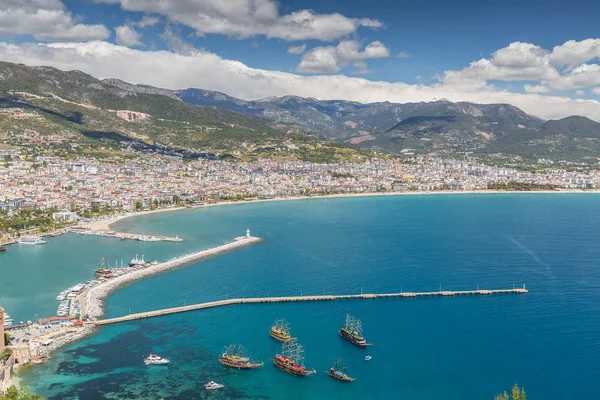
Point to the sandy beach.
(105, 224)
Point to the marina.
(258, 300)
(126, 236)
(92, 298)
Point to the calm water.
(453, 348)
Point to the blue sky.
(540, 55)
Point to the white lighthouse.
(248, 232)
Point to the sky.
(539, 55)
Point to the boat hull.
(280, 337)
(341, 378)
(291, 368)
(355, 341)
(230, 364)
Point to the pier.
(126, 236)
(371, 296)
(91, 299)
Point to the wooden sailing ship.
(339, 374)
(352, 332)
(281, 331)
(291, 359)
(238, 357)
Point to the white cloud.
(403, 54)
(209, 71)
(585, 75)
(246, 18)
(45, 20)
(579, 93)
(517, 62)
(147, 20)
(330, 59)
(573, 52)
(535, 88)
(297, 49)
(596, 90)
(361, 68)
(127, 36)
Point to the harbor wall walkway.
(92, 298)
(220, 303)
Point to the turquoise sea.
(433, 348)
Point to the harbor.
(258, 300)
(126, 236)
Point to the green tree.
(138, 205)
(19, 394)
(517, 394)
(95, 208)
(7, 338)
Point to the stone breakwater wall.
(95, 295)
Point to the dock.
(371, 296)
(91, 299)
(126, 236)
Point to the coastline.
(91, 299)
(107, 223)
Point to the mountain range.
(493, 131)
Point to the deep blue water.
(452, 348)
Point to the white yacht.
(212, 385)
(153, 359)
(31, 240)
(7, 320)
(136, 262)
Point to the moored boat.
(238, 357)
(352, 332)
(291, 359)
(136, 262)
(31, 240)
(281, 331)
(339, 374)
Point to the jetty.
(366, 296)
(91, 298)
(126, 236)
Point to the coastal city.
(152, 180)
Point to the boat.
(7, 320)
(368, 358)
(281, 331)
(153, 359)
(338, 374)
(238, 357)
(291, 359)
(352, 332)
(212, 385)
(136, 262)
(31, 240)
(2, 248)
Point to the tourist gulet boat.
(352, 332)
(281, 331)
(238, 357)
(338, 374)
(2, 248)
(291, 359)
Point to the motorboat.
(153, 359)
(212, 385)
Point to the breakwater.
(369, 296)
(92, 297)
